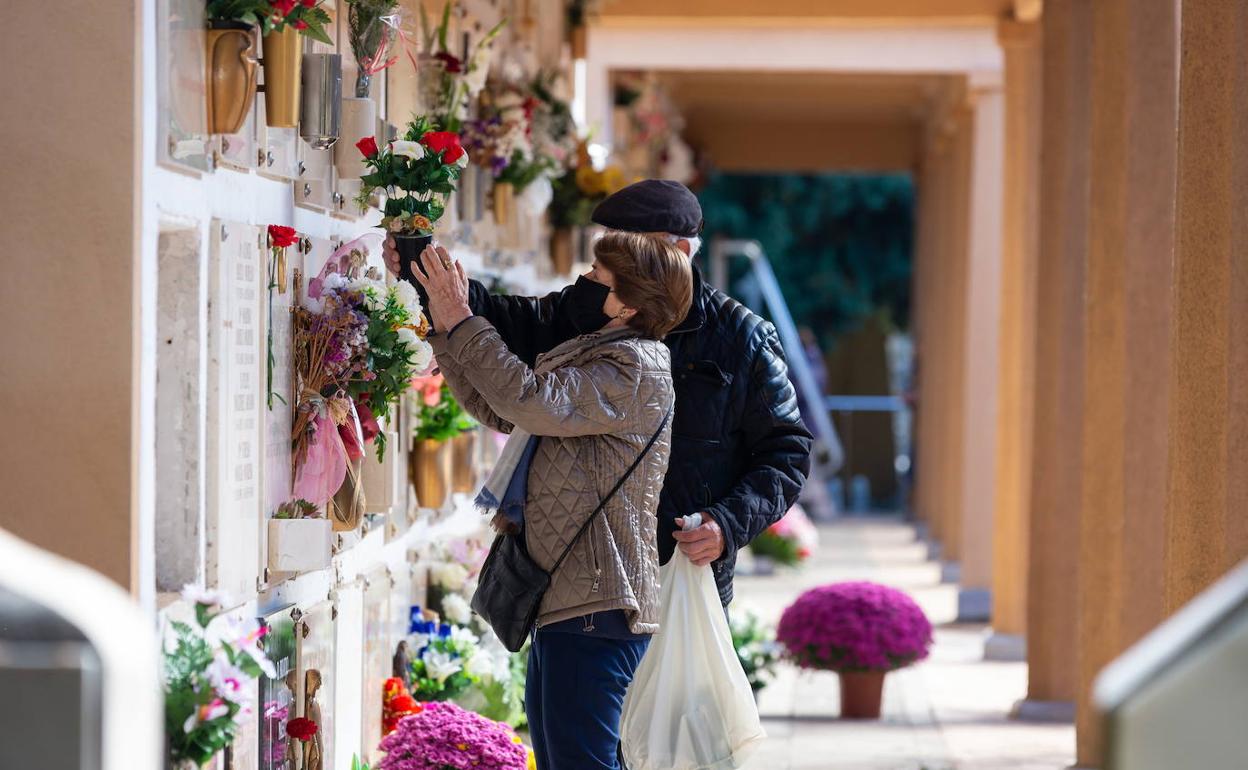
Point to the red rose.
(301, 24)
(445, 142)
(283, 7)
(405, 704)
(367, 146)
(280, 237)
(301, 729)
(449, 62)
(309, 3)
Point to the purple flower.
(444, 736)
(855, 626)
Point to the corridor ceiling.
(759, 11)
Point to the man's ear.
(683, 245)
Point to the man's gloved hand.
(702, 544)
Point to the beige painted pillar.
(68, 303)
(1128, 292)
(1019, 263)
(1056, 485)
(1206, 514)
(982, 351)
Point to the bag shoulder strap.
(614, 489)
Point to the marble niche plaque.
(314, 637)
(277, 703)
(280, 386)
(236, 359)
(378, 655)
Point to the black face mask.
(584, 303)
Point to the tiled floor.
(945, 713)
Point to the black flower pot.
(409, 247)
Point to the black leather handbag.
(511, 585)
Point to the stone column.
(69, 303)
(981, 355)
(1206, 524)
(1056, 484)
(1128, 292)
(1019, 263)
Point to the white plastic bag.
(689, 706)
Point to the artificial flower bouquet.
(396, 703)
(581, 188)
(374, 29)
(449, 83)
(439, 417)
(789, 541)
(358, 344)
(757, 650)
(854, 627)
(424, 166)
(446, 660)
(444, 736)
(207, 665)
(307, 16)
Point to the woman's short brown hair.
(652, 276)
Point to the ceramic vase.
(230, 56)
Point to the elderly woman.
(586, 411)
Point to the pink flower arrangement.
(855, 626)
(444, 736)
(430, 388)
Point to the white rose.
(413, 150)
(449, 575)
(481, 665)
(409, 297)
(408, 337)
(456, 609)
(422, 356)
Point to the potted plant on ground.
(424, 166)
(448, 737)
(859, 630)
(755, 643)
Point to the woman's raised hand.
(447, 285)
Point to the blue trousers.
(574, 695)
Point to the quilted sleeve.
(777, 446)
(467, 396)
(594, 398)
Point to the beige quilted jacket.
(596, 400)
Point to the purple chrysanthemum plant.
(444, 736)
(855, 626)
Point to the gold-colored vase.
(283, 57)
(561, 250)
(504, 194)
(463, 470)
(230, 54)
(430, 467)
(580, 42)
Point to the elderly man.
(740, 453)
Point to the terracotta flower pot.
(861, 694)
(463, 472)
(430, 471)
(561, 250)
(504, 195)
(283, 64)
(230, 55)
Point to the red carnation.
(449, 62)
(367, 146)
(445, 142)
(280, 237)
(283, 7)
(301, 729)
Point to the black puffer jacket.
(739, 448)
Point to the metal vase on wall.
(320, 117)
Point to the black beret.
(652, 206)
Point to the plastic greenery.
(424, 165)
(206, 671)
(756, 648)
(273, 15)
(779, 549)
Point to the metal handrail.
(795, 353)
